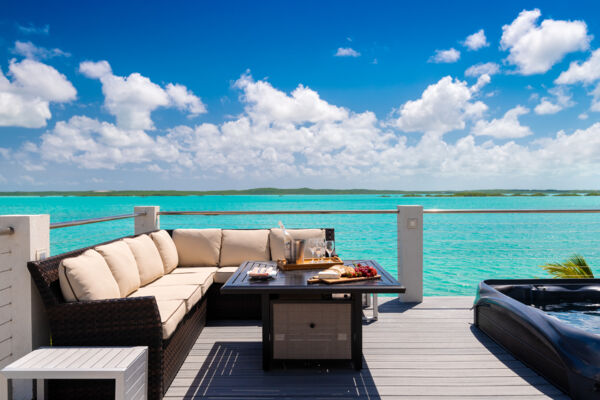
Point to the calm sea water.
(459, 250)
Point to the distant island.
(309, 191)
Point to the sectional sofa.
(156, 289)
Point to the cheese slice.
(329, 274)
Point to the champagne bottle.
(288, 242)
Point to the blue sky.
(191, 95)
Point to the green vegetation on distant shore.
(477, 194)
(309, 191)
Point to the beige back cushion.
(122, 264)
(198, 247)
(150, 265)
(276, 240)
(166, 247)
(244, 245)
(87, 277)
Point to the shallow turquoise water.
(459, 250)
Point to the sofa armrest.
(113, 322)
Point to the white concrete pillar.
(149, 222)
(23, 322)
(410, 252)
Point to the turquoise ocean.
(460, 250)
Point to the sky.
(429, 95)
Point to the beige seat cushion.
(190, 294)
(223, 274)
(166, 248)
(201, 276)
(276, 240)
(150, 265)
(87, 277)
(190, 270)
(197, 247)
(244, 245)
(172, 313)
(122, 264)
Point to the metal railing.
(475, 244)
(509, 211)
(67, 224)
(425, 211)
(278, 212)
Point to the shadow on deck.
(427, 350)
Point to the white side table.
(128, 366)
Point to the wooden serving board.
(315, 279)
(323, 263)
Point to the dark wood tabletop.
(295, 282)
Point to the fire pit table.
(310, 321)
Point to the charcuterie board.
(320, 263)
(315, 279)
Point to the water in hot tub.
(585, 316)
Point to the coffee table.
(305, 321)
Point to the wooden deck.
(425, 351)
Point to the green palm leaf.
(573, 267)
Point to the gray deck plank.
(425, 351)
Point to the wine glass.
(329, 248)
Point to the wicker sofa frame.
(129, 322)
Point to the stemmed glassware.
(329, 248)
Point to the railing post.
(149, 222)
(410, 252)
(23, 322)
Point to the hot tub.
(525, 316)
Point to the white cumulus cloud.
(265, 104)
(282, 139)
(507, 127)
(534, 48)
(185, 100)
(265, 140)
(346, 52)
(476, 41)
(562, 99)
(547, 107)
(489, 68)
(25, 101)
(443, 107)
(93, 144)
(586, 72)
(445, 56)
(132, 99)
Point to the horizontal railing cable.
(509, 211)
(425, 211)
(67, 224)
(277, 212)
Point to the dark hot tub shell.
(566, 356)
